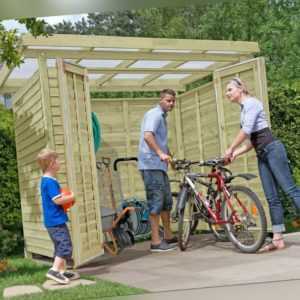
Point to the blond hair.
(239, 83)
(45, 158)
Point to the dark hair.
(167, 91)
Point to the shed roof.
(129, 63)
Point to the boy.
(54, 216)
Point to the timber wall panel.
(31, 137)
(42, 111)
(85, 216)
(253, 73)
(120, 121)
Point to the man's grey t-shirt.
(155, 122)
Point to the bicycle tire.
(184, 219)
(238, 231)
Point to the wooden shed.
(52, 107)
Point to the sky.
(12, 24)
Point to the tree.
(10, 40)
(10, 208)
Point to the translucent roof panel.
(196, 65)
(116, 49)
(26, 70)
(152, 64)
(221, 52)
(173, 76)
(171, 51)
(96, 63)
(54, 48)
(131, 76)
(95, 76)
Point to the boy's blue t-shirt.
(53, 214)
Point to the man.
(153, 163)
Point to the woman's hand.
(228, 153)
(235, 154)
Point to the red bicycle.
(232, 212)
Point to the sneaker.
(173, 240)
(162, 247)
(71, 275)
(58, 277)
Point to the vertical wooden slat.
(43, 71)
(65, 102)
(262, 79)
(220, 113)
(82, 160)
(128, 142)
(199, 127)
(178, 128)
(93, 163)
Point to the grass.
(24, 272)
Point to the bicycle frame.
(222, 204)
(214, 215)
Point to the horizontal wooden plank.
(29, 101)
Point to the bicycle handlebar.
(183, 164)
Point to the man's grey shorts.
(158, 191)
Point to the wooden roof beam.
(114, 55)
(64, 40)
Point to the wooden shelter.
(52, 105)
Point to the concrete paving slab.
(21, 290)
(206, 263)
(52, 285)
(287, 290)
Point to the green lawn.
(23, 271)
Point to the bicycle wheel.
(246, 225)
(185, 220)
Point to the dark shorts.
(158, 191)
(62, 241)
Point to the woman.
(272, 159)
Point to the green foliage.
(27, 272)
(9, 48)
(10, 41)
(10, 211)
(34, 26)
(285, 117)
